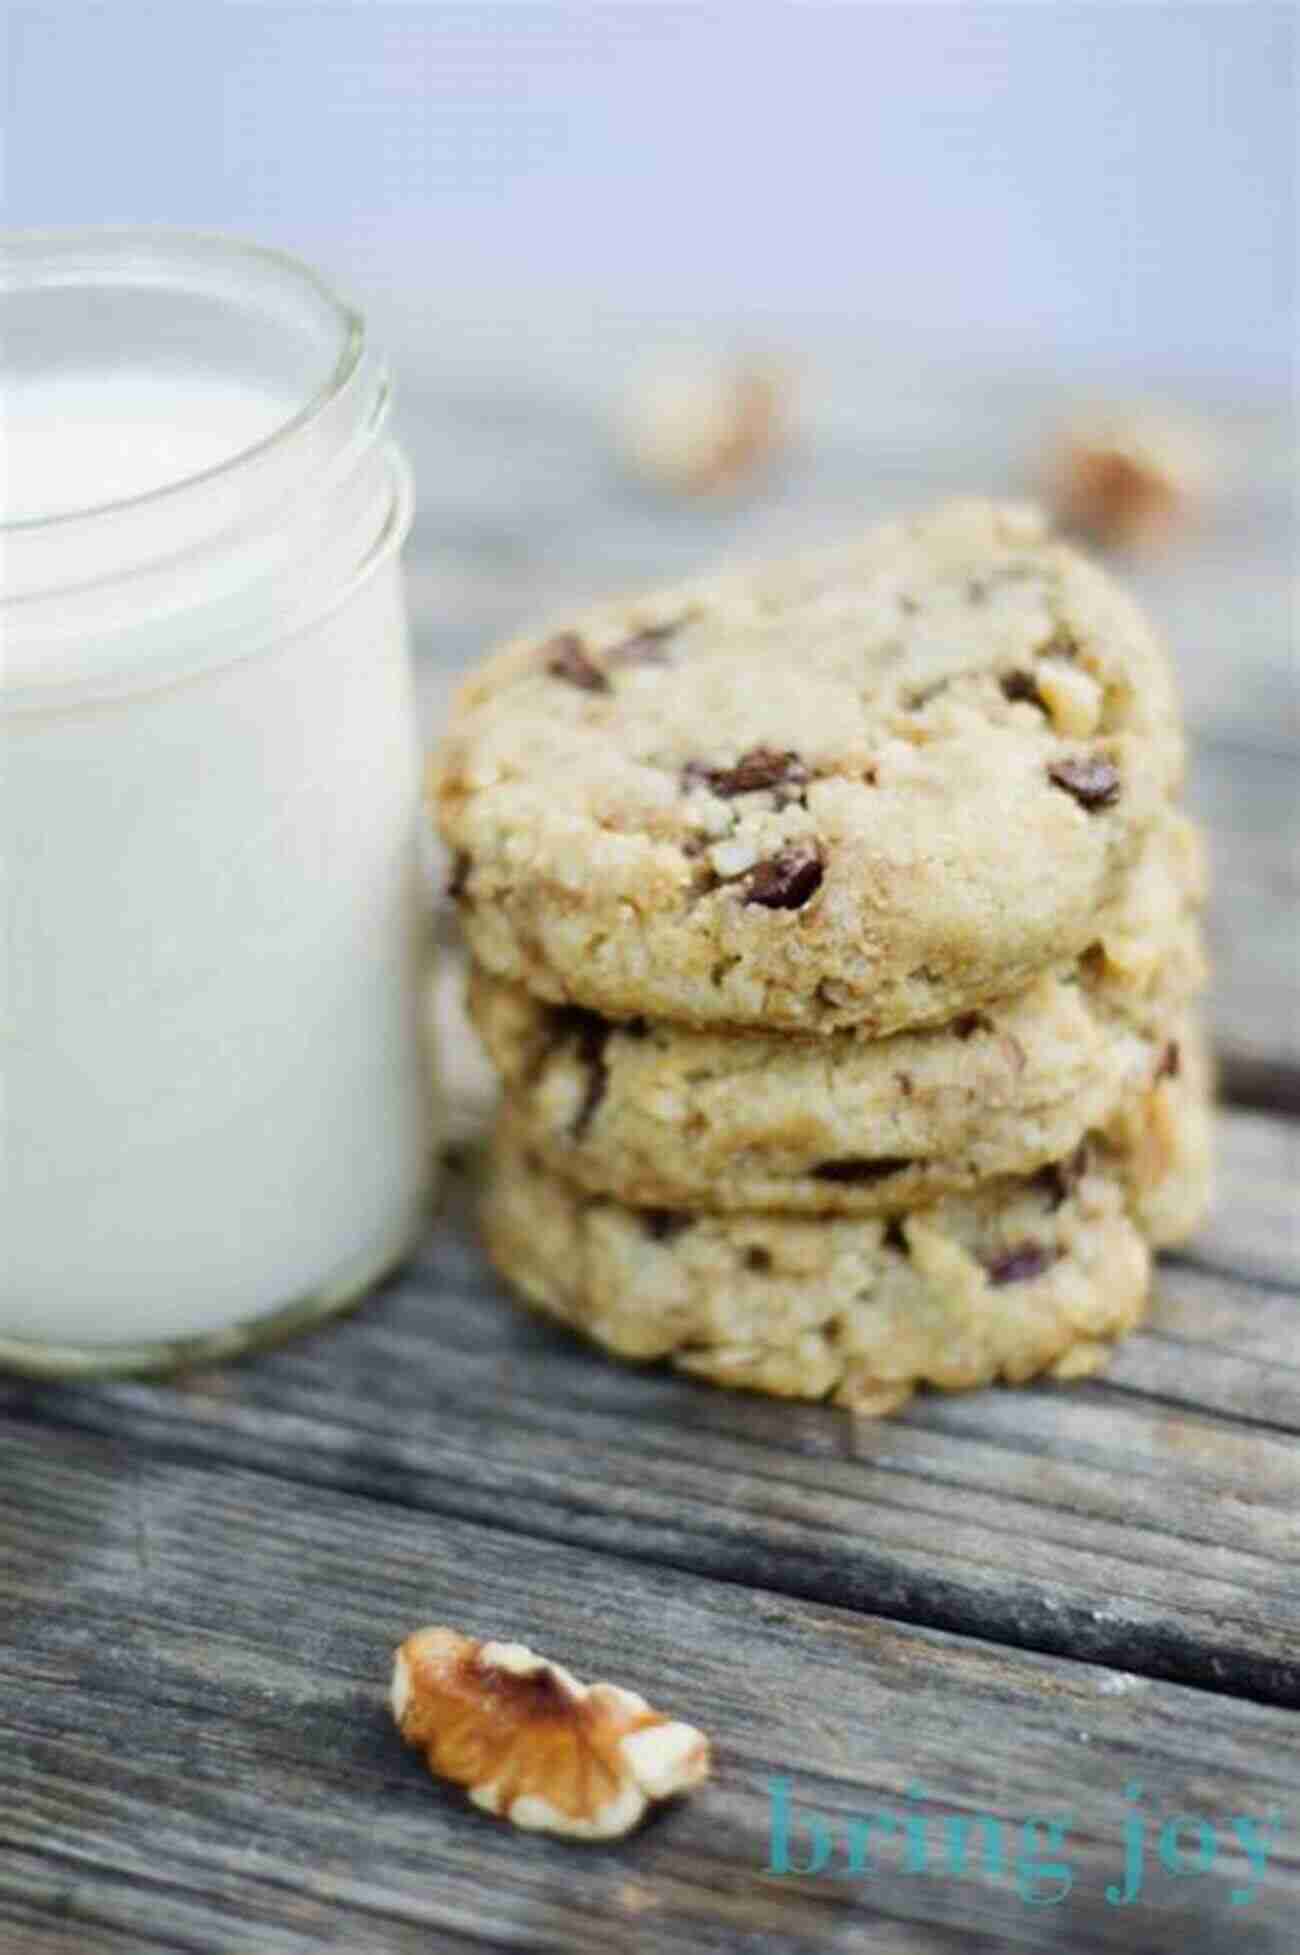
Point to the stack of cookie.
(837, 935)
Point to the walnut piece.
(1128, 477)
(532, 1744)
(702, 428)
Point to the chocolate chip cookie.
(1023, 1276)
(874, 787)
(662, 1115)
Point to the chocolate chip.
(1019, 1265)
(759, 768)
(566, 658)
(893, 1238)
(969, 1023)
(1061, 644)
(646, 647)
(856, 1168)
(1052, 1182)
(1020, 685)
(1092, 781)
(1171, 1061)
(459, 876)
(570, 1021)
(1059, 1178)
(758, 1259)
(785, 881)
(591, 1034)
(662, 1224)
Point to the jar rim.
(116, 593)
(99, 243)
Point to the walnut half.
(531, 1743)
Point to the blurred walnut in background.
(1128, 478)
(707, 427)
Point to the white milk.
(75, 440)
(215, 1095)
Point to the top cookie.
(875, 786)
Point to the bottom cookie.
(1023, 1276)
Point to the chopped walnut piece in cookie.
(532, 1744)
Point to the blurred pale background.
(1104, 186)
(955, 218)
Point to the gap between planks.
(1137, 1521)
(1012, 1612)
(247, 1665)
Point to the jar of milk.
(215, 1096)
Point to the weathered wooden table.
(1075, 1607)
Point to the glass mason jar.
(215, 1110)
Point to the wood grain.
(1148, 1521)
(1248, 802)
(197, 1747)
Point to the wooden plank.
(197, 1750)
(1249, 804)
(1149, 1521)
(1253, 1229)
